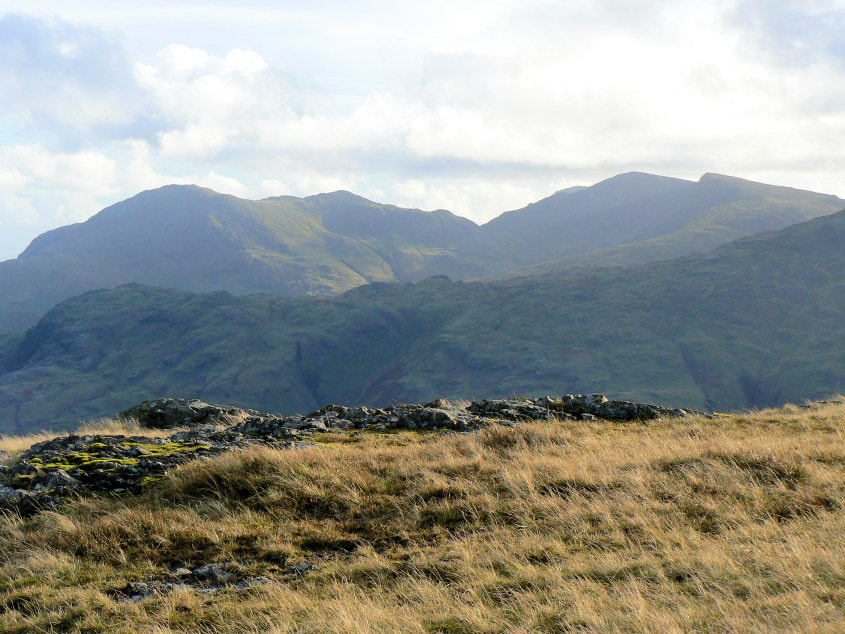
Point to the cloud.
(11, 179)
(66, 85)
(41, 189)
(209, 102)
(796, 33)
(473, 198)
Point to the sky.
(477, 107)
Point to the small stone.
(213, 572)
(254, 581)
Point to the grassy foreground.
(734, 524)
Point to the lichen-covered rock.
(51, 471)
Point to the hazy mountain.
(756, 322)
(194, 239)
(635, 218)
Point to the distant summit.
(638, 217)
(192, 238)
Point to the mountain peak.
(635, 177)
(341, 195)
(175, 188)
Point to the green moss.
(149, 480)
(35, 461)
(93, 463)
(59, 465)
(21, 481)
(91, 459)
(82, 456)
(177, 447)
(168, 448)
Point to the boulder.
(170, 413)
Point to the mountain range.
(194, 239)
(754, 322)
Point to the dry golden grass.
(120, 426)
(14, 446)
(727, 525)
(11, 447)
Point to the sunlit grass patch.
(730, 524)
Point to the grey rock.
(138, 590)
(254, 581)
(213, 572)
(59, 478)
(167, 413)
(301, 569)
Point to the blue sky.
(478, 107)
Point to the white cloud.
(306, 184)
(85, 171)
(475, 198)
(11, 178)
(247, 63)
(65, 83)
(411, 189)
(222, 184)
(274, 187)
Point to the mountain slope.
(636, 218)
(195, 239)
(756, 322)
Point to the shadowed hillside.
(754, 323)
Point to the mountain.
(753, 323)
(194, 239)
(636, 218)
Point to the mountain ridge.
(193, 238)
(754, 323)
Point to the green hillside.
(754, 323)
(194, 239)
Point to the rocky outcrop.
(170, 413)
(52, 471)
